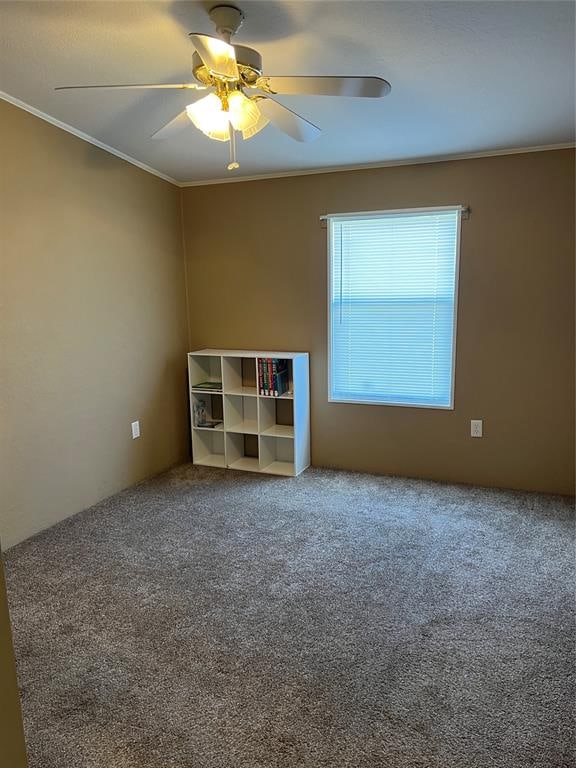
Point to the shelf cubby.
(277, 455)
(202, 368)
(241, 414)
(239, 376)
(213, 406)
(208, 448)
(242, 452)
(276, 417)
(290, 393)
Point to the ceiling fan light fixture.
(210, 117)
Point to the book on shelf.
(209, 386)
(263, 381)
(260, 377)
(273, 376)
(282, 382)
(270, 377)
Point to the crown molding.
(282, 174)
(389, 164)
(85, 137)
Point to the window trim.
(461, 210)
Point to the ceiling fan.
(241, 97)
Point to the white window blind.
(392, 306)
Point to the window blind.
(392, 307)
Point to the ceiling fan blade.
(173, 127)
(217, 55)
(287, 121)
(370, 87)
(134, 86)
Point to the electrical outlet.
(135, 429)
(476, 428)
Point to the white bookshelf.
(258, 433)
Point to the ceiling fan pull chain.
(232, 165)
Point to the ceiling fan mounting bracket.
(227, 19)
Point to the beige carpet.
(213, 619)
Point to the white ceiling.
(466, 77)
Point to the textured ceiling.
(466, 77)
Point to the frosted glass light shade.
(252, 130)
(245, 115)
(209, 117)
(243, 112)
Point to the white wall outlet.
(476, 428)
(135, 429)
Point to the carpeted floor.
(217, 619)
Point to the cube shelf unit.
(258, 433)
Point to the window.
(392, 306)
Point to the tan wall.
(93, 324)
(256, 265)
(12, 748)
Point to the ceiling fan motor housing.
(249, 65)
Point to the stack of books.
(273, 376)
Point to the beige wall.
(256, 265)
(12, 748)
(93, 324)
